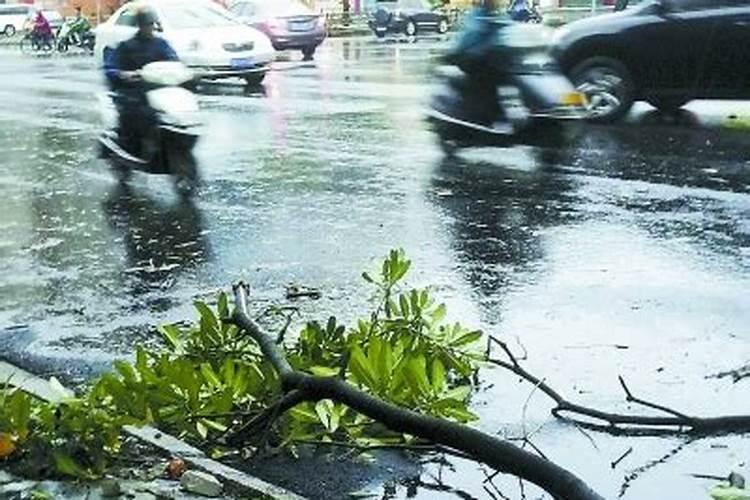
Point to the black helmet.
(145, 16)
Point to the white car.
(206, 37)
(13, 17)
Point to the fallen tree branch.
(618, 423)
(490, 450)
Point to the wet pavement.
(627, 252)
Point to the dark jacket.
(132, 55)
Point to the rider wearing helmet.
(121, 67)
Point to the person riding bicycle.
(41, 32)
(122, 66)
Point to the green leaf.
(210, 376)
(467, 338)
(202, 429)
(416, 375)
(126, 370)
(460, 414)
(65, 464)
(213, 424)
(360, 367)
(324, 371)
(209, 323)
(223, 306)
(404, 303)
(438, 315)
(323, 410)
(171, 334)
(437, 375)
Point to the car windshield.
(193, 16)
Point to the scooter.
(501, 88)
(167, 148)
(75, 32)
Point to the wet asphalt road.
(625, 253)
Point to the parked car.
(13, 17)
(206, 37)
(406, 16)
(666, 52)
(288, 23)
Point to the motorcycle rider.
(121, 66)
(477, 56)
(78, 27)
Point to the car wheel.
(308, 53)
(668, 104)
(9, 30)
(608, 88)
(411, 28)
(443, 26)
(255, 78)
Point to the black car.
(666, 52)
(408, 17)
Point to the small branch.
(633, 399)
(617, 423)
(621, 457)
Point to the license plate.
(241, 63)
(380, 29)
(300, 26)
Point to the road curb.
(237, 481)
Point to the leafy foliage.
(211, 377)
(74, 437)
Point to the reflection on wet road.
(636, 236)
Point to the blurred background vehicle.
(289, 24)
(75, 32)
(13, 18)
(207, 38)
(408, 17)
(664, 52)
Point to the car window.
(193, 16)
(127, 18)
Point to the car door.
(669, 49)
(727, 71)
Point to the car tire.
(308, 53)
(442, 26)
(410, 29)
(668, 104)
(608, 88)
(9, 30)
(255, 79)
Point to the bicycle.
(32, 43)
